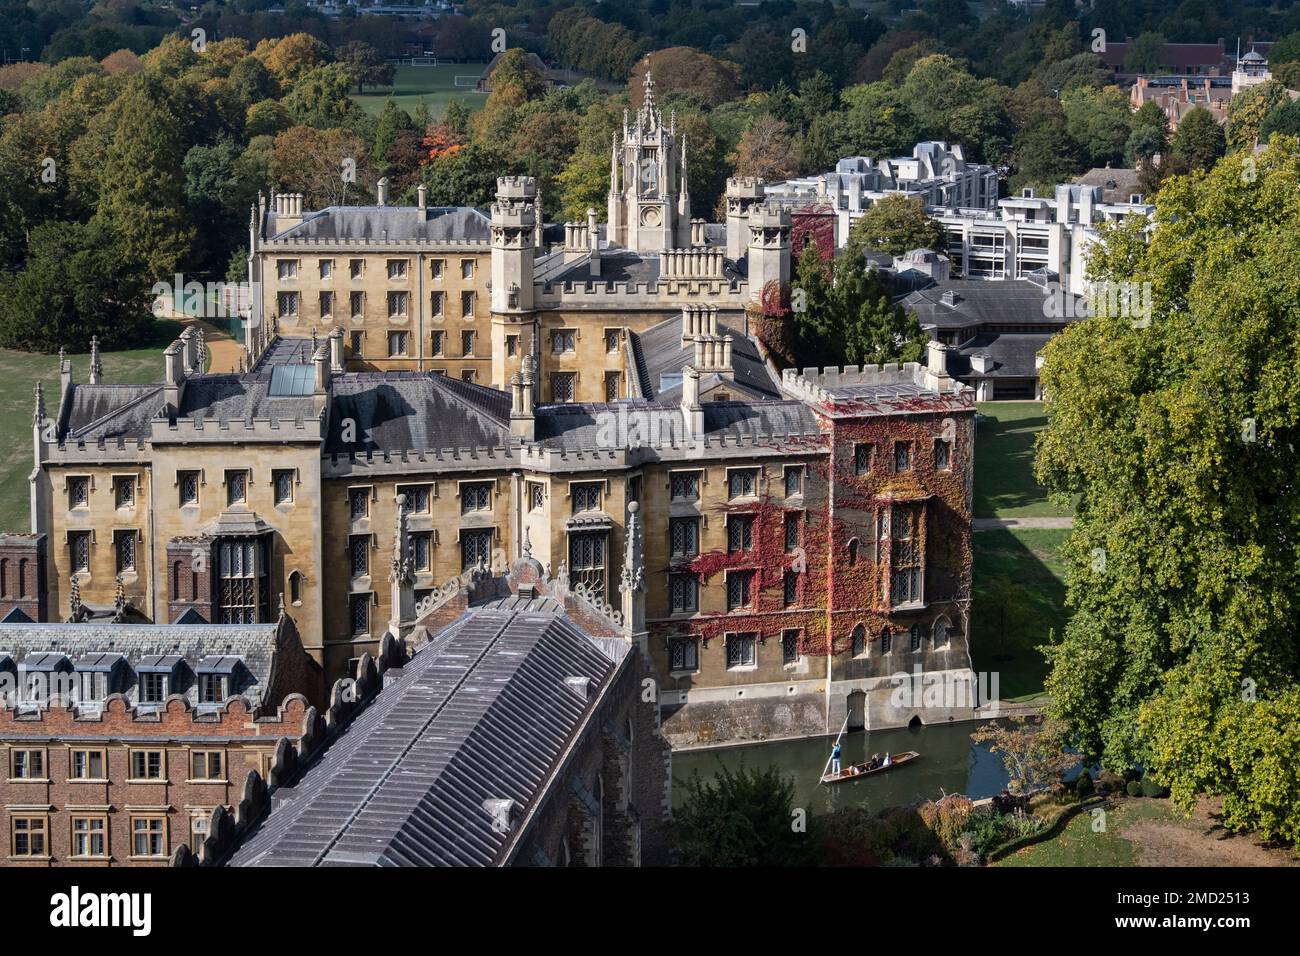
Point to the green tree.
(1150, 133)
(365, 65)
(1099, 121)
(1044, 154)
(1247, 111)
(76, 284)
(392, 121)
(1283, 118)
(1199, 139)
(897, 224)
(876, 328)
(320, 97)
(1174, 427)
(1145, 53)
(741, 818)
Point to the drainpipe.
(830, 582)
(419, 309)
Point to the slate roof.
(253, 644)
(1013, 355)
(1118, 185)
(415, 411)
(997, 302)
(582, 426)
(235, 397)
(109, 412)
(481, 714)
(659, 352)
(388, 223)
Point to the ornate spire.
(96, 366)
(74, 599)
(38, 413)
(200, 349)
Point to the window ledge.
(221, 780)
(683, 673)
(743, 667)
(89, 780)
(153, 780)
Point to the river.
(949, 763)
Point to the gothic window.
(853, 552)
(236, 487)
(536, 495)
(886, 640)
(585, 497)
(905, 556)
(475, 549)
(360, 608)
(940, 632)
(684, 534)
(295, 588)
(791, 585)
(78, 492)
(79, 545)
(684, 654)
(742, 483)
(124, 547)
(793, 481)
(283, 480)
(476, 497)
(740, 587)
(611, 340)
(467, 304)
(124, 492)
(326, 267)
(789, 646)
(326, 305)
(417, 499)
(562, 386)
(467, 343)
(740, 532)
(902, 456)
(435, 268)
(791, 531)
(422, 550)
(356, 267)
(286, 268)
(358, 502)
(858, 641)
(587, 560)
(357, 304)
(563, 340)
(942, 454)
(862, 458)
(359, 554)
(684, 592)
(916, 637)
(612, 380)
(742, 650)
(242, 586)
(439, 340)
(436, 304)
(686, 484)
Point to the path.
(995, 524)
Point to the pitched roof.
(659, 352)
(388, 224)
(482, 714)
(1011, 355)
(415, 411)
(973, 303)
(110, 412)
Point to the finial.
(96, 367)
(281, 604)
(38, 414)
(62, 357)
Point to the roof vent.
(502, 812)
(528, 591)
(580, 686)
(950, 298)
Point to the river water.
(949, 763)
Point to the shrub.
(1134, 789)
(947, 818)
(1109, 782)
(1152, 789)
(1083, 787)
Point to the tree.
(1199, 139)
(680, 69)
(741, 818)
(392, 120)
(467, 177)
(266, 119)
(328, 166)
(76, 284)
(1288, 74)
(320, 97)
(1145, 53)
(1283, 118)
(1178, 439)
(365, 65)
(1044, 154)
(141, 186)
(1099, 121)
(290, 57)
(874, 119)
(1247, 110)
(877, 329)
(1150, 133)
(765, 150)
(897, 224)
(1032, 752)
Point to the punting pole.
(843, 727)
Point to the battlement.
(745, 187)
(513, 212)
(517, 187)
(376, 243)
(769, 216)
(175, 717)
(198, 430)
(407, 461)
(884, 389)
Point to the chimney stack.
(692, 410)
(593, 238)
(382, 189)
(174, 375)
(522, 420)
(321, 359)
(422, 195)
(336, 352)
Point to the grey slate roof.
(1117, 184)
(415, 411)
(34, 645)
(1013, 355)
(659, 352)
(235, 397)
(481, 714)
(981, 303)
(581, 426)
(109, 412)
(388, 223)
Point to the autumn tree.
(1247, 111)
(1032, 751)
(330, 166)
(290, 57)
(897, 224)
(320, 98)
(1173, 425)
(681, 69)
(765, 150)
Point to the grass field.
(1018, 595)
(432, 86)
(1004, 462)
(20, 371)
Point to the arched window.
(940, 632)
(886, 640)
(859, 641)
(853, 551)
(22, 577)
(295, 588)
(4, 577)
(916, 637)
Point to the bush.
(1152, 789)
(947, 819)
(1134, 789)
(1083, 787)
(740, 818)
(1109, 782)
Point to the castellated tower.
(743, 194)
(649, 205)
(515, 217)
(769, 248)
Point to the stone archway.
(857, 704)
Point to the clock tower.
(649, 206)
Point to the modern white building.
(1029, 233)
(935, 172)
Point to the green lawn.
(433, 86)
(20, 371)
(1018, 595)
(1004, 462)
(1079, 845)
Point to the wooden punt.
(895, 760)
